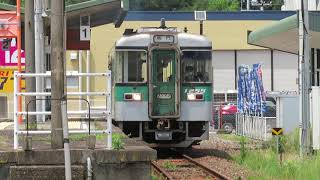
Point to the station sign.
(85, 32)
(6, 80)
(9, 53)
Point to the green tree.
(159, 5)
(190, 5)
(13, 2)
(223, 5)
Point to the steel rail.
(162, 171)
(211, 171)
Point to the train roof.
(141, 39)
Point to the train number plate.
(164, 96)
(163, 135)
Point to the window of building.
(130, 66)
(196, 66)
(72, 82)
(4, 107)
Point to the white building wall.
(295, 5)
(285, 71)
(249, 57)
(223, 70)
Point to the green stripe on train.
(207, 90)
(120, 90)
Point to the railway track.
(167, 175)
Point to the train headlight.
(132, 96)
(195, 96)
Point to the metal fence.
(100, 112)
(255, 127)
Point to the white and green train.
(162, 86)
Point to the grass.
(82, 137)
(117, 141)
(169, 165)
(264, 163)
(155, 176)
(233, 137)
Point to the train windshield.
(196, 66)
(130, 66)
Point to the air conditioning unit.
(73, 56)
(200, 15)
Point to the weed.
(242, 149)
(117, 141)
(32, 126)
(78, 137)
(169, 165)
(101, 136)
(154, 177)
(232, 137)
(265, 163)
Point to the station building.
(228, 32)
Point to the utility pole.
(30, 63)
(39, 54)
(57, 71)
(304, 78)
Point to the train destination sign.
(163, 39)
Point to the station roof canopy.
(284, 34)
(100, 11)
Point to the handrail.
(51, 99)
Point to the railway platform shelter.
(284, 36)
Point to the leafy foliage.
(191, 5)
(8, 1)
(172, 5)
(179, 5)
(117, 141)
(68, 2)
(169, 165)
(243, 151)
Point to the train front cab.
(163, 96)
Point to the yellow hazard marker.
(277, 131)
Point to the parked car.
(228, 111)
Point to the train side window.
(196, 66)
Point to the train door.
(163, 85)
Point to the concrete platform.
(130, 163)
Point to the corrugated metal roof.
(100, 11)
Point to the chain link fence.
(225, 111)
